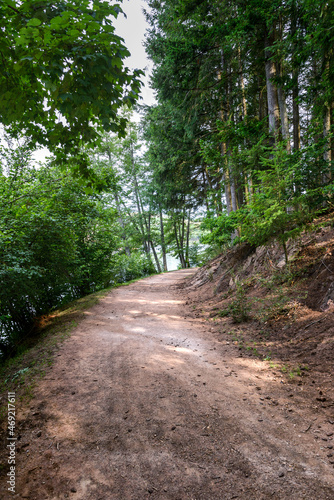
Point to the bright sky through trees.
(132, 29)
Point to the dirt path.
(142, 402)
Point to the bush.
(127, 268)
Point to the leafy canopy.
(62, 73)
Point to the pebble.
(281, 474)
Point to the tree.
(229, 76)
(62, 72)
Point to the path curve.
(143, 402)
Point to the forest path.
(142, 402)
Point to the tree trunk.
(284, 117)
(163, 244)
(295, 112)
(223, 146)
(261, 85)
(233, 194)
(282, 99)
(242, 86)
(179, 248)
(295, 88)
(187, 241)
(150, 242)
(227, 193)
(273, 111)
(155, 256)
(327, 126)
(328, 150)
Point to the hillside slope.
(280, 315)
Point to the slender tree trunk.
(223, 146)
(295, 80)
(282, 98)
(155, 256)
(187, 241)
(233, 194)
(261, 85)
(178, 245)
(242, 85)
(295, 112)
(150, 242)
(214, 192)
(327, 126)
(328, 150)
(183, 230)
(163, 244)
(273, 111)
(227, 193)
(284, 117)
(205, 192)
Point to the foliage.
(273, 211)
(239, 307)
(63, 72)
(57, 243)
(127, 268)
(243, 123)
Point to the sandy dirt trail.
(143, 402)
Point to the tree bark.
(327, 127)
(295, 88)
(328, 149)
(273, 110)
(163, 244)
(178, 245)
(282, 98)
(187, 240)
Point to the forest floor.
(151, 398)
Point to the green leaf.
(34, 22)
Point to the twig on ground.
(313, 323)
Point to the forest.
(238, 146)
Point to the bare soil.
(145, 401)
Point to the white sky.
(132, 29)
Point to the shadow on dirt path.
(142, 402)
